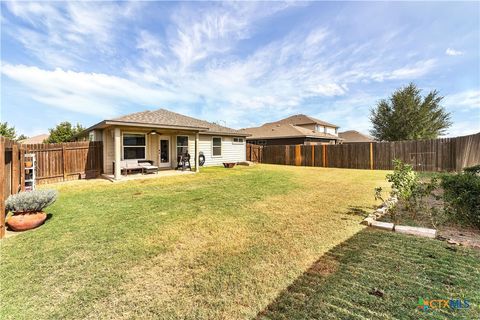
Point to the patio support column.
(117, 151)
(197, 142)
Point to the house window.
(217, 146)
(134, 146)
(238, 140)
(182, 145)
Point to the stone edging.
(371, 221)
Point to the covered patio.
(159, 145)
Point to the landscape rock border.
(372, 218)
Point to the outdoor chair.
(147, 166)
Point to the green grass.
(405, 268)
(219, 244)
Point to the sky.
(240, 64)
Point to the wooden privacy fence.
(66, 161)
(11, 178)
(54, 162)
(444, 154)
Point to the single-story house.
(35, 139)
(296, 129)
(353, 136)
(160, 136)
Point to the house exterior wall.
(231, 152)
(331, 130)
(319, 128)
(151, 152)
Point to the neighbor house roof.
(285, 130)
(163, 118)
(291, 127)
(354, 136)
(35, 139)
(299, 119)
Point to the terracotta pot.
(28, 164)
(26, 221)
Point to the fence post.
(64, 162)
(2, 187)
(22, 168)
(324, 155)
(371, 156)
(298, 155)
(15, 181)
(313, 155)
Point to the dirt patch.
(468, 237)
(448, 229)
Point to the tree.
(63, 132)
(406, 115)
(6, 131)
(22, 137)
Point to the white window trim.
(176, 143)
(221, 147)
(145, 147)
(233, 140)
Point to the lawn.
(382, 275)
(219, 244)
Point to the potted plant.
(27, 208)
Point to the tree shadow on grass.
(356, 211)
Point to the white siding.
(231, 152)
(331, 130)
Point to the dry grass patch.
(220, 244)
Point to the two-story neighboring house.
(296, 129)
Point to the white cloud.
(88, 93)
(453, 52)
(466, 100)
(409, 72)
(63, 33)
(200, 61)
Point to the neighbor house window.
(217, 146)
(237, 140)
(134, 145)
(182, 145)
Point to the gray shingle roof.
(282, 130)
(169, 118)
(290, 127)
(299, 119)
(354, 136)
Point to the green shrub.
(473, 169)
(462, 196)
(31, 201)
(404, 180)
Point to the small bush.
(404, 180)
(462, 196)
(31, 201)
